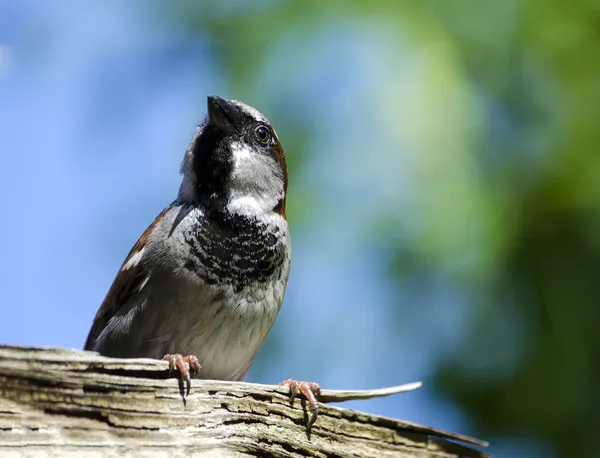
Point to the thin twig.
(354, 395)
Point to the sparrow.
(208, 277)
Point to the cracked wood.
(72, 403)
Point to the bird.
(207, 278)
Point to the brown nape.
(280, 208)
(278, 152)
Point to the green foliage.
(500, 135)
(547, 277)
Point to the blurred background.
(444, 194)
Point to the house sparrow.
(207, 278)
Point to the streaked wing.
(125, 286)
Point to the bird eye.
(262, 134)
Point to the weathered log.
(72, 403)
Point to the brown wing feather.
(124, 284)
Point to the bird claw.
(310, 390)
(178, 363)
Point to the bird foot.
(187, 366)
(310, 390)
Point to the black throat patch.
(212, 163)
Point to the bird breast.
(227, 278)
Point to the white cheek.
(242, 157)
(250, 205)
(256, 184)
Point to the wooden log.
(56, 402)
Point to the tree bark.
(72, 403)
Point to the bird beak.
(223, 114)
